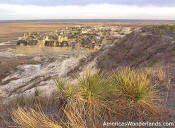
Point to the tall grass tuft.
(133, 84)
(95, 86)
(61, 84)
(136, 86)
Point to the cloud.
(87, 2)
(93, 11)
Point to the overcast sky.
(87, 9)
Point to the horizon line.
(105, 19)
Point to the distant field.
(12, 30)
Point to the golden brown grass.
(123, 95)
(136, 86)
(29, 118)
(91, 114)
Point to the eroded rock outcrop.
(29, 77)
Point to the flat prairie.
(12, 30)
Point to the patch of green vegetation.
(113, 65)
(172, 27)
(24, 101)
(37, 92)
(143, 53)
(133, 84)
(125, 49)
(95, 86)
(21, 101)
(137, 59)
(153, 61)
(165, 26)
(143, 30)
(104, 58)
(148, 65)
(61, 87)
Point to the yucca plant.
(61, 84)
(136, 87)
(95, 86)
(131, 83)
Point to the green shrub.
(61, 87)
(96, 85)
(133, 84)
(37, 92)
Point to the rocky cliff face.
(28, 78)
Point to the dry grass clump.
(91, 114)
(123, 95)
(135, 86)
(29, 118)
(136, 96)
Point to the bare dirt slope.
(148, 47)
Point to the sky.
(87, 9)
